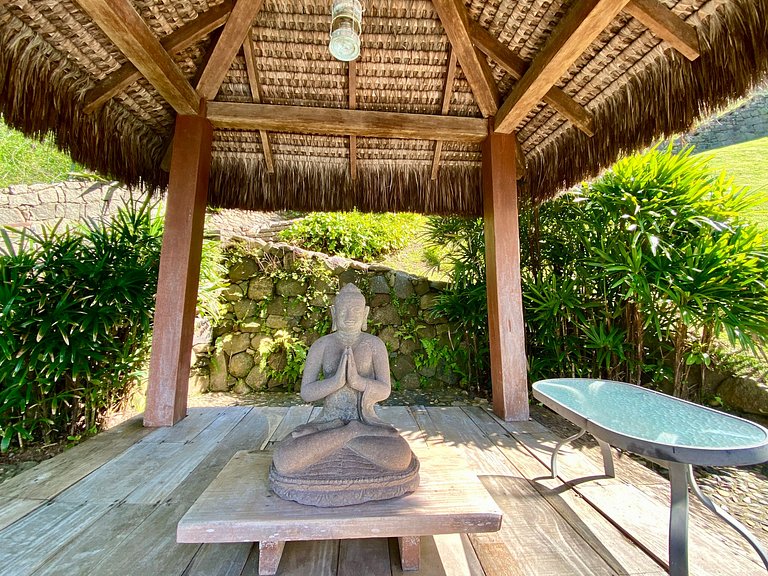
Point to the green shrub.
(353, 234)
(76, 310)
(213, 279)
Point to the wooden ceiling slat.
(343, 122)
(176, 41)
(666, 25)
(516, 67)
(447, 93)
(125, 27)
(232, 37)
(255, 85)
(578, 29)
(455, 20)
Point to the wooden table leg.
(410, 552)
(269, 557)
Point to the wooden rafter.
(455, 20)
(447, 93)
(343, 122)
(253, 82)
(353, 106)
(579, 28)
(232, 37)
(516, 67)
(666, 25)
(124, 26)
(176, 41)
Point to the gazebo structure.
(452, 107)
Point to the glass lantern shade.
(346, 25)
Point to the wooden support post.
(179, 272)
(505, 301)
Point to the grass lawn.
(747, 163)
(26, 161)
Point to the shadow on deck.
(110, 506)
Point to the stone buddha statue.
(347, 455)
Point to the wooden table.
(238, 506)
(673, 432)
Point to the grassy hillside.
(25, 161)
(747, 163)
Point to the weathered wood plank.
(449, 499)
(12, 509)
(84, 552)
(219, 560)
(28, 543)
(344, 122)
(296, 416)
(317, 557)
(368, 556)
(455, 20)
(197, 420)
(613, 546)
(576, 31)
(441, 555)
(53, 476)
(666, 25)
(120, 21)
(178, 40)
(270, 554)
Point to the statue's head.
(348, 311)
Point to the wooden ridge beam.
(343, 122)
(516, 67)
(253, 82)
(455, 20)
(353, 106)
(447, 93)
(124, 26)
(578, 29)
(176, 41)
(666, 25)
(232, 37)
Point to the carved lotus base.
(345, 480)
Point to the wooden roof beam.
(176, 41)
(516, 67)
(447, 93)
(578, 29)
(343, 122)
(124, 26)
(455, 20)
(232, 37)
(253, 82)
(666, 25)
(352, 106)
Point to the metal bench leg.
(678, 519)
(605, 450)
(735, 524)
(559, 445)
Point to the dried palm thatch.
(52, 56)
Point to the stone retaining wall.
(280, 293)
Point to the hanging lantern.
(346, 25)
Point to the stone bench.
(239, 507)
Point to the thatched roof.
(625, 85)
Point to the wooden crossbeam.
(343, 122)
(124, 26)
(666, 25)
(516, 67)
(253, 82)
(455, 20)
(353, 106)
(578, 29)
(232, 37)
(176, 41)
(447, 92)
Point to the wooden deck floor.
(110, 506)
